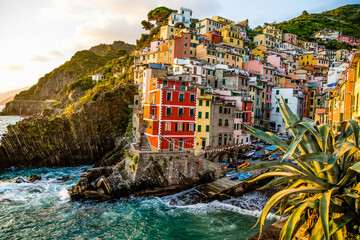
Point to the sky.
(39, 35)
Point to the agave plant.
(322, 190)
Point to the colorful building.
(170, 115)
(203, 120)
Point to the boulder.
(33, 178)
(18, 180)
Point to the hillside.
(345, 18)
(53, 84)
(8, 96)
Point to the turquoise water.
(43, 210)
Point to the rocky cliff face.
(82, 137)
(144, 174)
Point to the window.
(220, 139)
(181, 112)
(181, 97)
(168, 111)
(168, 96)
(224, 81)
(226, 122)
(199, 128)
(191, 112)
(220, 109)
(200, 103)
(168, 126)
(220, 122)
(286, 100)
(207, 115)
(202, 92)
(200, 115)
(207, 103)
(192, 98)
(277, 109)
(207, 128)
(185, 44)
(165, 83)
(277, 92)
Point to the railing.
(174, 87)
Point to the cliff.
(79, 129)
(82, 137)
(53, 86)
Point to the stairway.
(144, 145)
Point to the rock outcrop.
(82, 137)
(145, 174)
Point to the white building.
(327, 34)
(293, 98)
(97, 77)
(182, 16)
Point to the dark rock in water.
(64, 179)
(152, 174)
(18, 180)
(33, 178)
(96, 195)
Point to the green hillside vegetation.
(53, 84)
(345, 18)
(93, 89)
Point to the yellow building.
(267, 40)
(313, 59)
(203, 120)
(355, 113)
(167, 31)
(274, 32)
(222, 20)
(232, 35)
(261, 52)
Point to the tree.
(159, 14)
(147, 25)
(322, 190)
(121, 52)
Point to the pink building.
(350, 40)
(277, 61)
(289, 38)
(265, 69)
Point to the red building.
(214, 37)
(349, 39)
(170, 115)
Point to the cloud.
(38, 58)
(13, 67)
(55, 53)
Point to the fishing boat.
(244, 176)
(249, 154)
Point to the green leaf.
(279, 195)
(324, 211)
(294, 219)
(324, 130)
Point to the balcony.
(174, 87)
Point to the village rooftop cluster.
(198, 84)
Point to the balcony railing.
(175, 87)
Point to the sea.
(43, 210)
